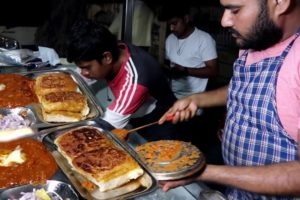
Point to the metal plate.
(95, 109)
(55, 189)
(16, 123)
(24, 112)
(52, 133)
(171, 159)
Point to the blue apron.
(254, 134)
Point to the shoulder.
(171, 38)
(203, 33)
(203, 37)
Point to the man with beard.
(261, 137)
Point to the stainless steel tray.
(95, 109)
(52, 133)
(55, 189)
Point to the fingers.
(166, 116)
(167, 185)
(182, 110)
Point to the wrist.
(186, 71)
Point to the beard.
(264, 33)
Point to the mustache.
(232, 31)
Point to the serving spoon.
(123, 133)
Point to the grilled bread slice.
(66, 106)
(54, 82)
(64, 101)
(106, 165)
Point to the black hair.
(88, 40)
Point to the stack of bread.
(98, 159)
(60, 98)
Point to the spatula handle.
(140, 127)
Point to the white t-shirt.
(191, 52)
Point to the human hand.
(167, 185)
(178, 71)
(182, 110)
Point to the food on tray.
(16, 123)
(52, 190)
(60, 98)
(54, 82)
(16, 90)
(13, 121)
(25, 161)
(120, 133)
(64, 106)
(40, 194)
(97, 158)
(128, 187)
(169, 156)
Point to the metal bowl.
(55, 189)
(25, 113)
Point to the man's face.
(93, 69)
(177, 26)
(250, 24)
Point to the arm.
(184, 109)
(211, 69)
(275, 179)
(125, 104)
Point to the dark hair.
(88, 40)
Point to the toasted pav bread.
(106, 165)
(64, 101)
(126, 188)
(62, 116)
(66, 106)
(54, 82)
(81, 140)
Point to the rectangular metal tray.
(52, 133)
(95, 109)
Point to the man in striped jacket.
(135, 78)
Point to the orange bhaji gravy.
(18, 91)
(37, 168)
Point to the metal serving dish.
(55, 189)
(24, 112)
(95, 109)
(165, 170)
(16, 122)
(51, 134)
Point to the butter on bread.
(94, 156)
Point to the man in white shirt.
(191, 53)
